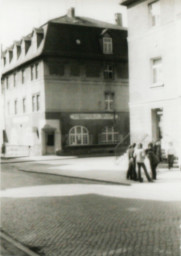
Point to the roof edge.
(130, 3)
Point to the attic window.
(10, 56)
(18, 50)
(107, 45)
(4, 60)
(27, 45)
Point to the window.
(78, 135)
(154, 10)
(108, 72)
(35, 102)
(157, 71)
(109, 101)
(14, 79)
(8, 107)
(107, 45)
(32, 72)
(4, 60)
(22, 76)
(36, 70)
(15, 107)
(7, 82)
(109, 135)
(24, 105)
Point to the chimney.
(118, 19)
(71, 12)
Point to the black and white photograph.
(90, 127)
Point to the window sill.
(157, 85)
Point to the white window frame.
(109, 101)
(154, 11)
(107, 45)
(157, 72)
(16, 107)
(108, 71)
(24, 105)
(36, 104)
(78, 138)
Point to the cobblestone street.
(87, 224)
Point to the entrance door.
(50, 143)
(157, 115)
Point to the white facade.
(154, 36)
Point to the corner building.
(154, 42)
(65, 86)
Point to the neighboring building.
(154, 43)
(65, 86)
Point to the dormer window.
(107, 45)
(10, 56)
(4, 61)
(18, 50)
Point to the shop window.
(78, 135)
(109, 136)
(154, 11)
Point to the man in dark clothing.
(131, 172)
(154, 160)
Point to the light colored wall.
(145, 43)
(82, 94)
(19, 126)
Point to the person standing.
(153, 160)
(170, 155)
(131, 172)
(139, 154)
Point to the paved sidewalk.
(108, 169)
(95, 168)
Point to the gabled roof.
(77, 20)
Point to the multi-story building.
(154, 43)
(65, 86)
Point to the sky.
(19, 17)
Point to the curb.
(77, 177)
(17, 244)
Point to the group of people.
(136, 156)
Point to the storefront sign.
(87, 116)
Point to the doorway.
(157, 115)
(50, 142)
